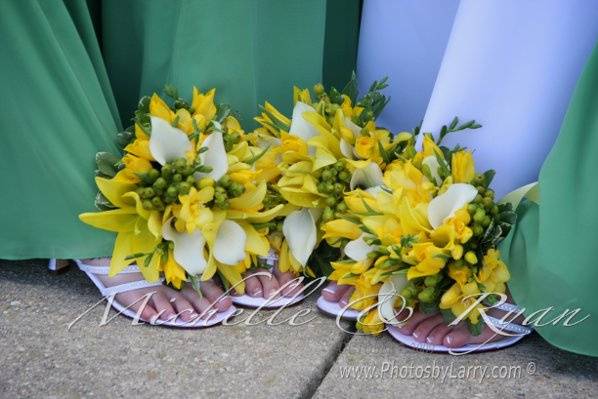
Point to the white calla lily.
(229, 247)
(188, 248)
(299, 126)
(446, 204)
(433, 165)
(167, 143)
(215, 157)
(299, 229)
(352, 126)
(358, 249)
(387, 296)
(346, 149)
(369, 176)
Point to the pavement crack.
(339, 347)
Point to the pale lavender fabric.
(510, 64)
(404, 40)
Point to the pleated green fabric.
(250, 50)
(56, 112)
(551, 250)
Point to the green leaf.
(171, 91)
(447, 315)
(475, 329)
(350, 89)
(106, 162)
(257, 157)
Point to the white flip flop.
(253, 302)
(110, 292)
(515, 328)
(334, 309)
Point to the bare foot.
(340, 294)
(166, 303)
(432, 329)
(266, 284)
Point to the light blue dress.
(512, 65)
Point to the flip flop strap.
(508, 326)
(271, 259)
(508, 307)
(105, 270)
(134, 285)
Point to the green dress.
(250, 50)
(551, 250)
(56, 112)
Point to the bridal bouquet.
(424, 236)
(185, 197)
(329, 146)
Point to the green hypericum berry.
(486, 221)
(160, 183)
(172, 191)
(169, 200)
(184, 188)
(330, 201)
(426, 295)
(180, 163)
(487, 201)
(479, 216)
(344, 176)
(339, 188)
(478, 180)
(147, 205)
(224, 181)
(328, 213)
(339, 165)
(167, 171)
(478, 230)
(148, 192)
(408, 292)
(190, 179)
(177, 178)
(471, 208)
(157, 202)
(431, 281)
(188, 170)
(153, 174)
(478, 198)
(341, 207)
(322, 187)
(329, 187)
(326, 175)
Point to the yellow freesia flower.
(192, 213)
(140, 146)
(173, 272)
(371, 323)
(462, 166)
(426, 258)
(134, 166)
(138, 230)
(159, 108)
(203, 105)
(341, 228)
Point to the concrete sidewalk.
(41, 357)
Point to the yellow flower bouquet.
(329, 146)
(185, 197)
(425, 237)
